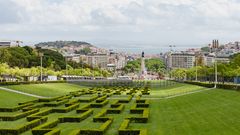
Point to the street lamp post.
(66, 67)
(196, 70)
(41, 74)
(216, 80)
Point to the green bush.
(39, 114)
(99, 131)
(101, 99)
(14, 109)
(67, 109)
(143, 119)
(54, 104)
(45, 128)
(117, 108)
(23, 128)
(49, 99)
(89, 99)
(125, 100)
(99, 105)
(32, 82)
(18, 116)
(124, 131)
(204, 84)
(83, 108)
(76, 118)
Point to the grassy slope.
(49, 89)
(214, 112)
(9, 99)
(174, 90)
(204, 113)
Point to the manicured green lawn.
(9, 99)
(48, 89)
(211, 112)
(174, 90)
(214, 112)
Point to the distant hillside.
(61, 44)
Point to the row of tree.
(27, 57)
(225, 71)
(154, 65)
(21, 73)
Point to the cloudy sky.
(122, 24)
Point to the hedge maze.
(92, 111)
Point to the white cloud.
(135, 20)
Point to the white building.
(180, 60)
(97, 60)
(210, 59)
(9, 44)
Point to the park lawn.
(175, 89)
(47, 89)
(213, 112)
(10, 99)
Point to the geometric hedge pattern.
(96, 110)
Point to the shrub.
(14, 109)
(67, 109)
(115, 110)
(76, 118)
(45, 128)
(89, 99)
(54, 104)
(39, 114)
(36, 82)
(18, 116)
(23, 128)
(124, 131)
(101, 104)
(101, 99)
(125, 100)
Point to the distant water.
(148, 49)
(138, 47)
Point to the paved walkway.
(23, 93)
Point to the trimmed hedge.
(58, 103)
(143, 119)
(33, 107)
(99, 105)
(204, 84)
(124, 131)
(27, 102)
(49, 99)
(99, 131)
(100, 117)
(76, 118)
(83, 108)
(39, 114)
(18, 116)
(142, 103)
(89, 99)
(101, 99)
(74, 101)
(45, 128)
(116, 109)
(14, 109)
(219, 85)
(36, 82)
(23, 127)
(67, 109)
(125, 100)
